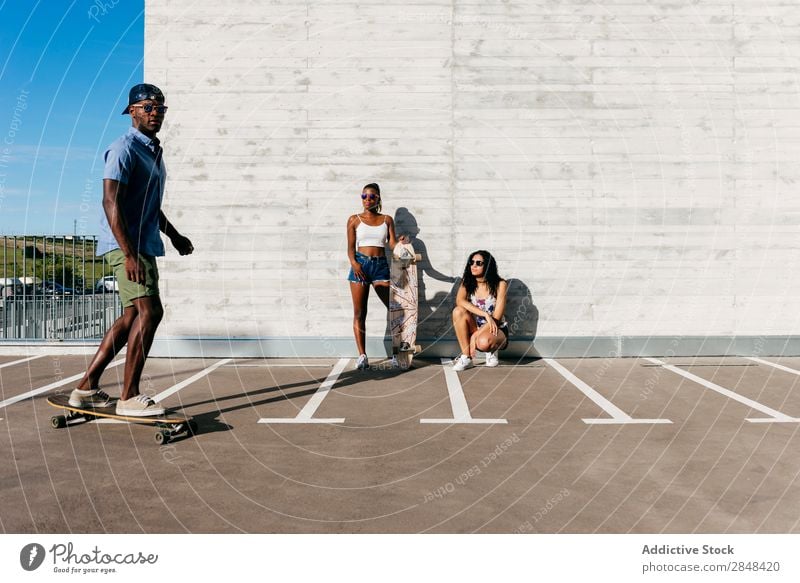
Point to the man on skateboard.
(133, 188)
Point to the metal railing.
(52, 287)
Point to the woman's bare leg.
(360, 293)
(382, 289)
(485, 341)
(464, 325)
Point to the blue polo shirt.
(135, 160)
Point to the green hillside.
(68, 261)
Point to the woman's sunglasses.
(477, 262)
(371, 195)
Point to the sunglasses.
(150, 107)
(370, 196)
(477, 262)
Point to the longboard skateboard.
(168, 427)
(404, 303)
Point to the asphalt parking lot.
(616, 445)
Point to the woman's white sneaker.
(362, 363)
(463, 362)
(139, 406)
(492, 359)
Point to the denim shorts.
(374, 268)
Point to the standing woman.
(367, 235)
(478, 317)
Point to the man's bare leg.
(140, 339)
(113, 341)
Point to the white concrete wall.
(632, 165)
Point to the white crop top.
(368, 236)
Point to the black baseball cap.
(141, 92)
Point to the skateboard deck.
(404, 303)
(168, 426)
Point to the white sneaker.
(463, 362)
(395, 363)
(89, 399)
(362, 363)
(139, 406)
(491, 359)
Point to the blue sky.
(65, 70)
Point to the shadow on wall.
(435, 321)
(521, 313)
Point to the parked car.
(107, 283)
(53, 288)
(10, 286)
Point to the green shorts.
(128, 290)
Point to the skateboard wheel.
(162, 437)
(58, 421)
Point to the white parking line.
(175, 388)
(458, 402)
(618, 416)
(51, 386)
(774, 416)
(773, 364)
(21, 361)
(270, 365)
(306, 414)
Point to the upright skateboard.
(168, 427)
(404, 303)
